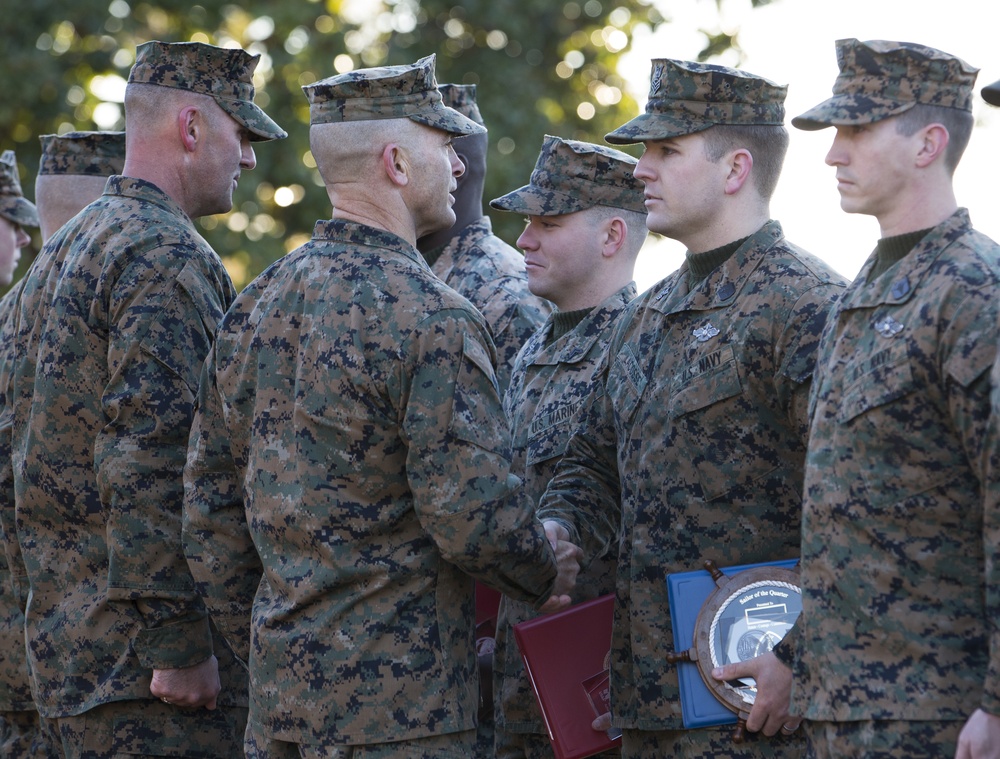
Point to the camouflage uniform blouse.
(15, 690)
(116, 315)
(901, 534)
(351, 404)
(698, 430)
(549, 385)
(490, 273)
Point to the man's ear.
(396, 164)
(190, 127)
(615, 233)
(933, 144)
(740, 163)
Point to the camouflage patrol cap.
(13, 205)
(991, 93)
(880, 78)
(462, 97)
(223, 73)
(572, 176)
(98, 154)
(687, 97)
(386, 92)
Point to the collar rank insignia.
(888, 327)
(705, 333)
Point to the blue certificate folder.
(687, 593)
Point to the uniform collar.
(140, 189)
(897, 285)
(575, 345)
(720, 288)
(355, 233)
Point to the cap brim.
(845, 110)
(447, 119)
(536, 201)
(991, 93)
(261, 126)
(653, 126)
(19, 210)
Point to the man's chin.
(445, 221)
(214, 209)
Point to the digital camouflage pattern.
(386, 92)
(225, 74)
(349, 470)
(991, 93)
(462, 97)
(13, 205)
(491, 274)
(15, 687)
(694, 445)
(571, 176)
(20, 735)
(687, 97)
(450, 746)
(551, 381)
(18, 719)
(871, 738)
(880, 78)
(710, 743)
(901, 535)
(148, 729)
(115, 316)
(82, 153)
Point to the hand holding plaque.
(746, 615)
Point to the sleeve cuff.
(175, 646)
(784, 651)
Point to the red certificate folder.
(566, 654)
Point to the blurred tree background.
(540, 68)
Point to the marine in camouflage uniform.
(476, 263)
(115, 318)
(692, 446)
(351, 447)
(897, 644)
(586, 225)
(64, 184)
(19, 730)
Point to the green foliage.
(541, 68)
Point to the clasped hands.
(568, 558)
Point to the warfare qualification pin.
(705, 333)
(888, 327)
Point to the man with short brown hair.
(895, 652)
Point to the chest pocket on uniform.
(876, 380)
(715, 426)
(880, 402)
(706, 381)
(549, 433)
